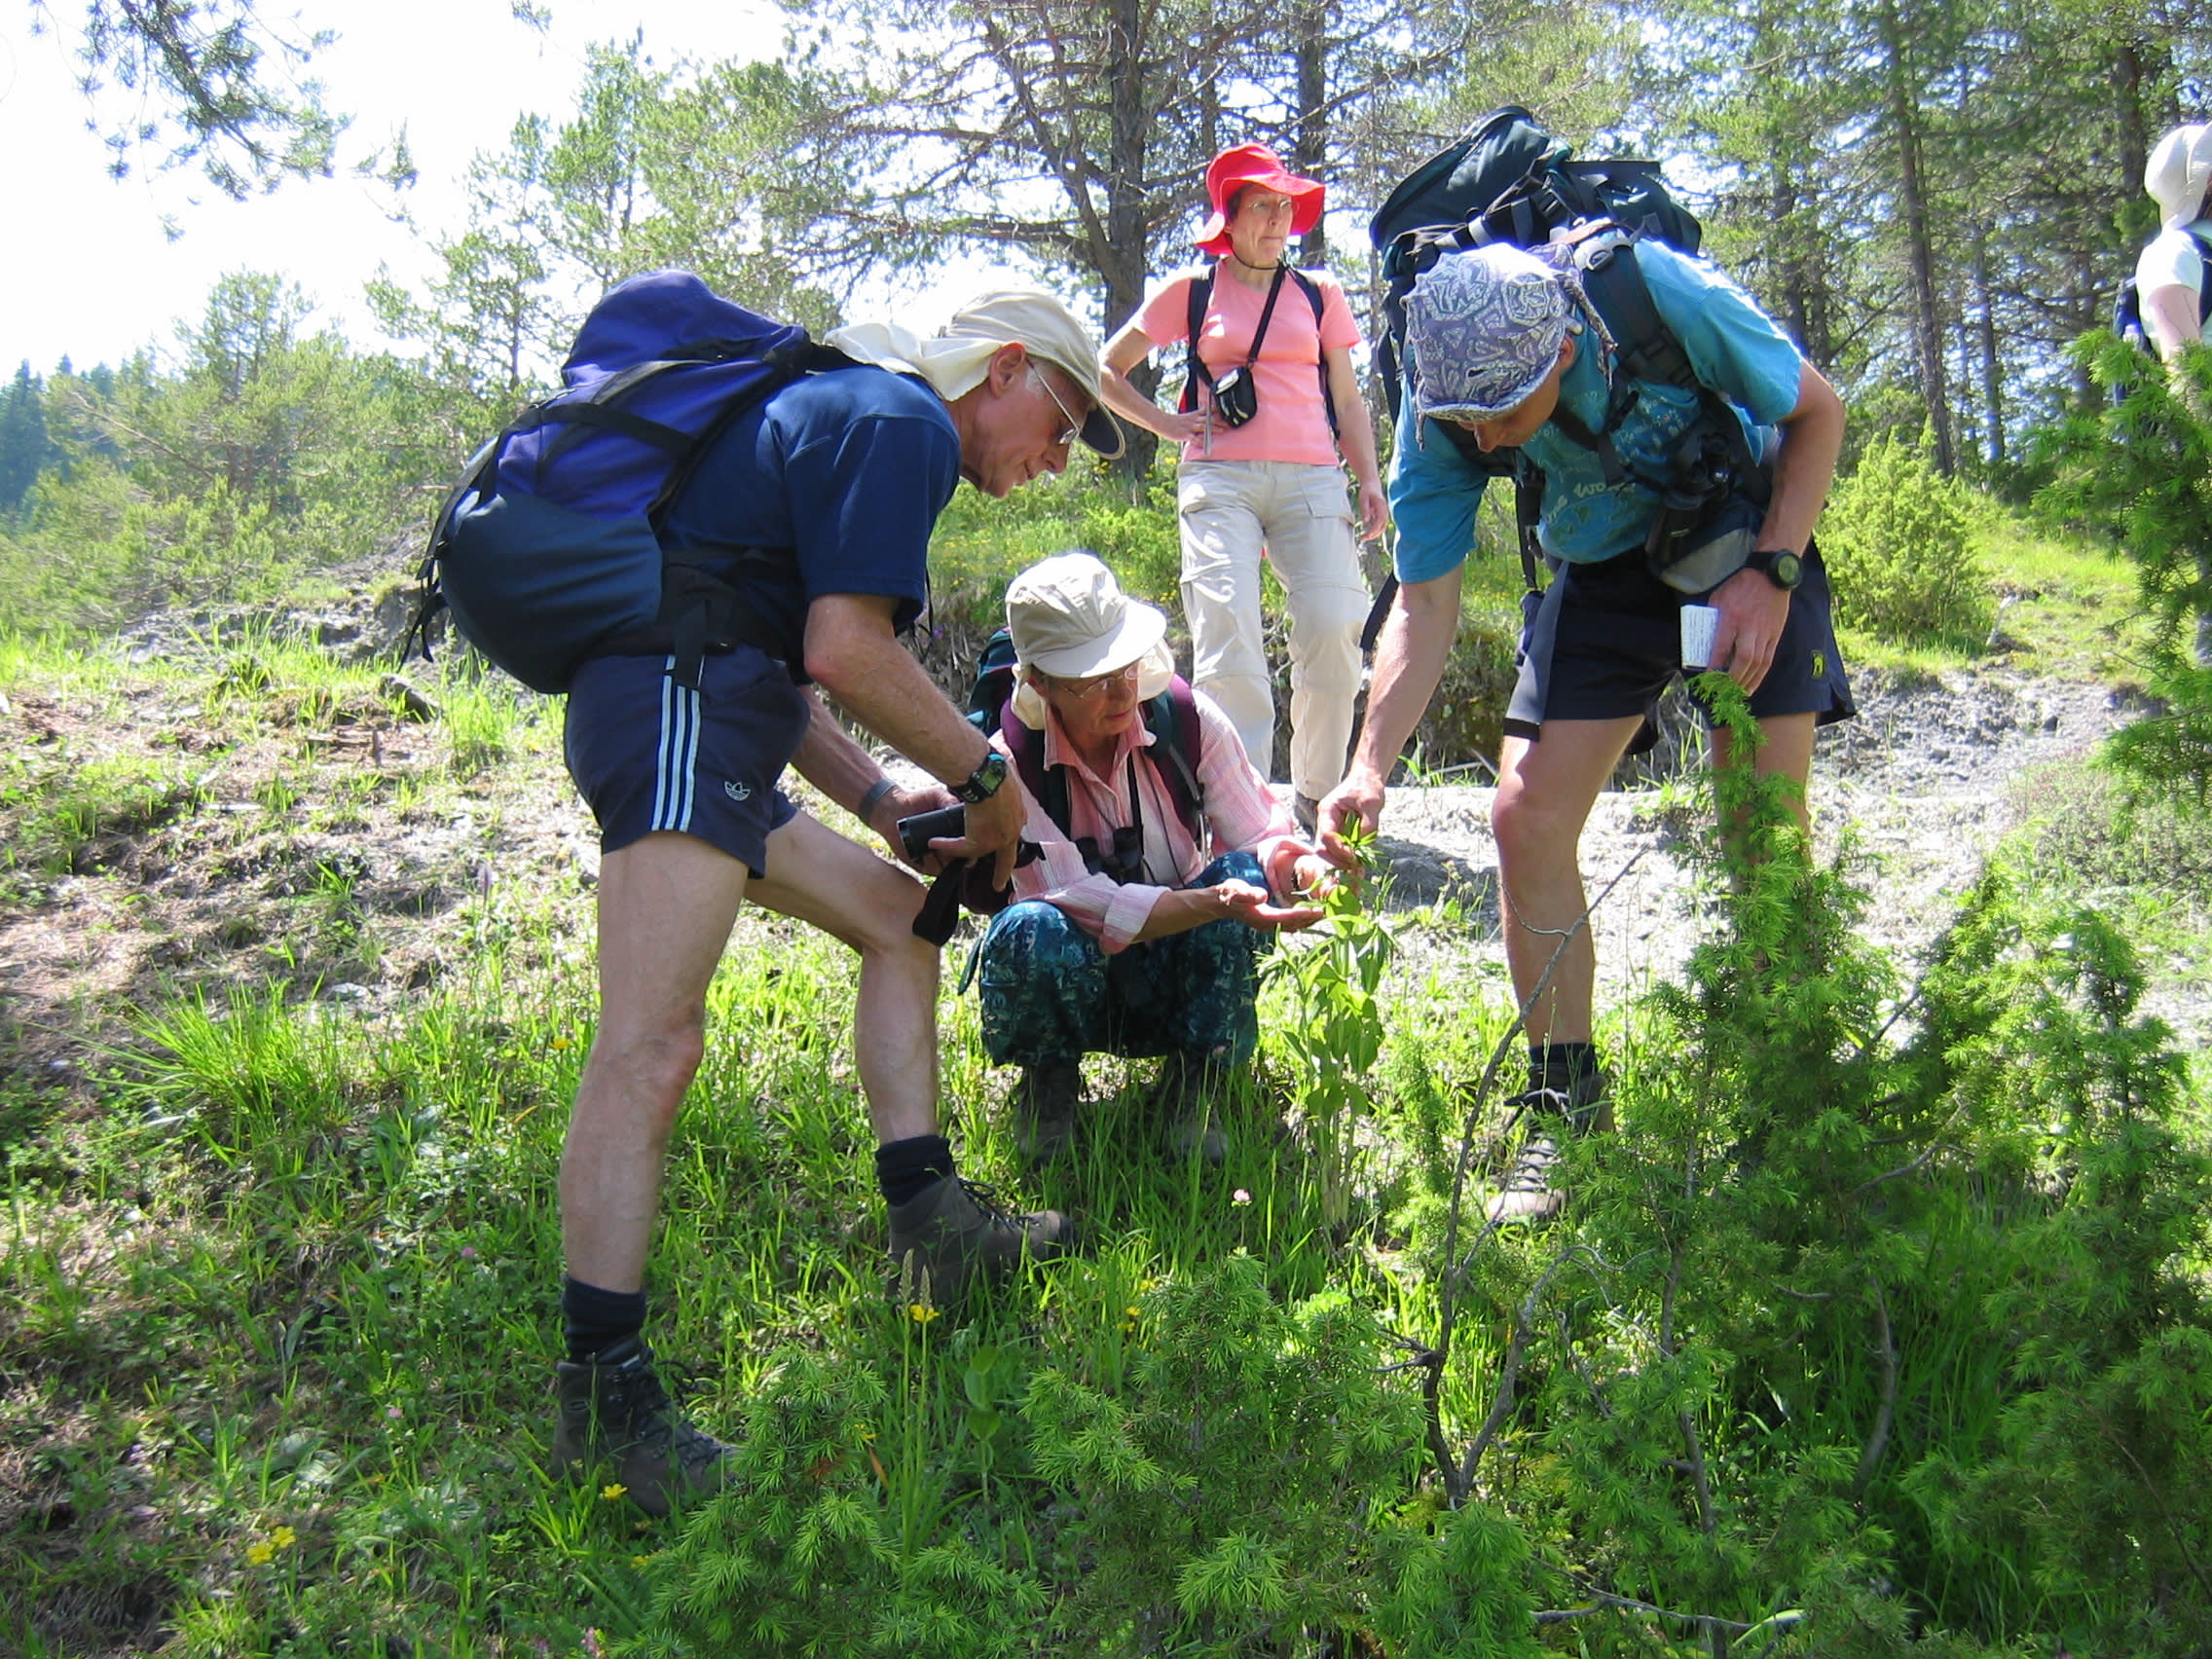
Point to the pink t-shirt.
(1292, 424)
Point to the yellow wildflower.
(259, 1552)
(921, 1313)
(284, 1538)
(613, 1491)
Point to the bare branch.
(1878, 1442)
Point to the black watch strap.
(1783, 566)
(983, 782)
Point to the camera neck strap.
(1202, 296)
(1267, 314)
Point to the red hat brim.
(1254, 165)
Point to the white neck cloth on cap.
(953, 366)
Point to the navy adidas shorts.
(649, 754)
(1604, 641)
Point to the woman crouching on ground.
(1166, 865)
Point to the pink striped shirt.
(1241, 814)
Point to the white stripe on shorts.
(674, 766)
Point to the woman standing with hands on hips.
(1272, 399)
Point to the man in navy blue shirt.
(818, 507)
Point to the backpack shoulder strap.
(1194, 371)
(1048, 783)
(1312, 292)
(1649, 349)
(1172, 719)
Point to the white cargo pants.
(1301, 513)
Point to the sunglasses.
(1074, 430)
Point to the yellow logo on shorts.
(1819, 665)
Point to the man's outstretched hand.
(1349, 812)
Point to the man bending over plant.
(1506, 351)
(817, 505)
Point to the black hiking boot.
(952, 1229)
(1044, 1106)
(1188, 1098)
(613, 1411)
(1527, 1197)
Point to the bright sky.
(88, 270)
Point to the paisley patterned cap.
(1483, 329)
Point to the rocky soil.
(1922, 784)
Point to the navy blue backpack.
(547, 550)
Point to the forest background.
(1935, 199)
(1880, 1326)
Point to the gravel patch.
(1920, 784)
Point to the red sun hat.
(1255, 163)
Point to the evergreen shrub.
(1898, 539)
(2140, 474)
(2084, 831)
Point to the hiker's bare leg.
(666, 903)
(1545, 790)
(1786, 752)
(817, 875)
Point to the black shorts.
(1604, 641)
(649, 754)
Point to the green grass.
(2066, 610)
(278, 1270)
(275, 1297)
(303, 1296)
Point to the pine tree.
(26, 450)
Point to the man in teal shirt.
(1505, 345)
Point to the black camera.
(915, 833)
(1236, 396)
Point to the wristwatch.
(983, 782)
(1782, 567)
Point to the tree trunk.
(1985, 337)
(2127, 106)
(1310, 153)
(1122, 261)
(1920, 252)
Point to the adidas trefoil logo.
(737, 791)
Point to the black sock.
(594, 1320)
(1561, 1065)
(904, 1167)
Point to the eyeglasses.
(1266, 206)
(1074, 426)
(1083, 690)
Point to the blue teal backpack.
(1511, 181)
(547, 550)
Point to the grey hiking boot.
(1188, 1098)
(614, 1412)
(1529, 1196)
(952, 1229)
(1044, 1106)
